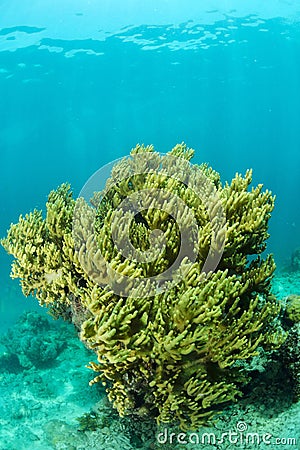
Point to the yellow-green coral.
(173, 354)
(292, 309)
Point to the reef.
(292, 309)
(290, 351)
(167, 348)
(295, 260)
(31, 342)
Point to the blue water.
(83, 82)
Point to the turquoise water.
(82, 82)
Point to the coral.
(32, 342)
(292, 309)
(295, 260)
(290, 350)
(88, 421)
(172, 351)
(290, 355)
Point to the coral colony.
(173, 341)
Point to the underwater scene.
(150, 224)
